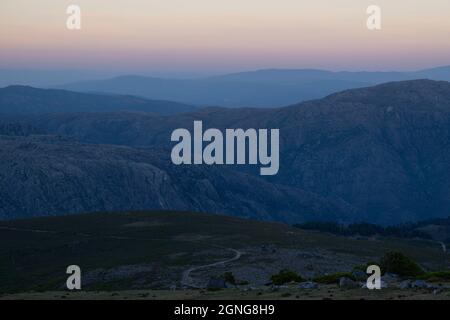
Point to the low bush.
(333, 278)
(363, 267)
(398, 263)
(285, 276)
(229, 277)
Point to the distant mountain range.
(378, 154)
(29, 100)
(263, 88)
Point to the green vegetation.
(285, 276)
(365, 229)
(229, 277)
(436, 276)
(363, 267)
(214, 289)
(34, 253)
(333, 278)
(398, 263)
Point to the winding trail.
(186, 279)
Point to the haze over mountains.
(379, 154)
(29, 100)
(263, 88)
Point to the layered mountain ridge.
(379, 154)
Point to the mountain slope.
(29, 100)
(56, 175)
(385, 149)
(141, 250)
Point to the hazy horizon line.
(159, 73)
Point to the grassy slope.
(37, 260)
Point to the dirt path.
(186, 279)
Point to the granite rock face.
(384, 150)
(380, 154)
(48, 175)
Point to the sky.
(217, 36)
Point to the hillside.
(137, 250)
(57, 175)
(384, 150)
(28, 100)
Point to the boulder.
(347, 283)
(406, 284)
(420, 284)
(390, 278)
(308, 285)
(437, 291)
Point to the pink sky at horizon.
(224, 35)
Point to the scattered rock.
(383, 285)
(215, 283)
(420, 284)
(406, 284)
(347, 283)
(437, 291)
(390, 278)
(136, 272)
(308, 285)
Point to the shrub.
(229, 277)
(368, 229)
(360, 267)
(333, 278)
(398, 263)
(213, 289)
(363, 267)
(285, 276)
